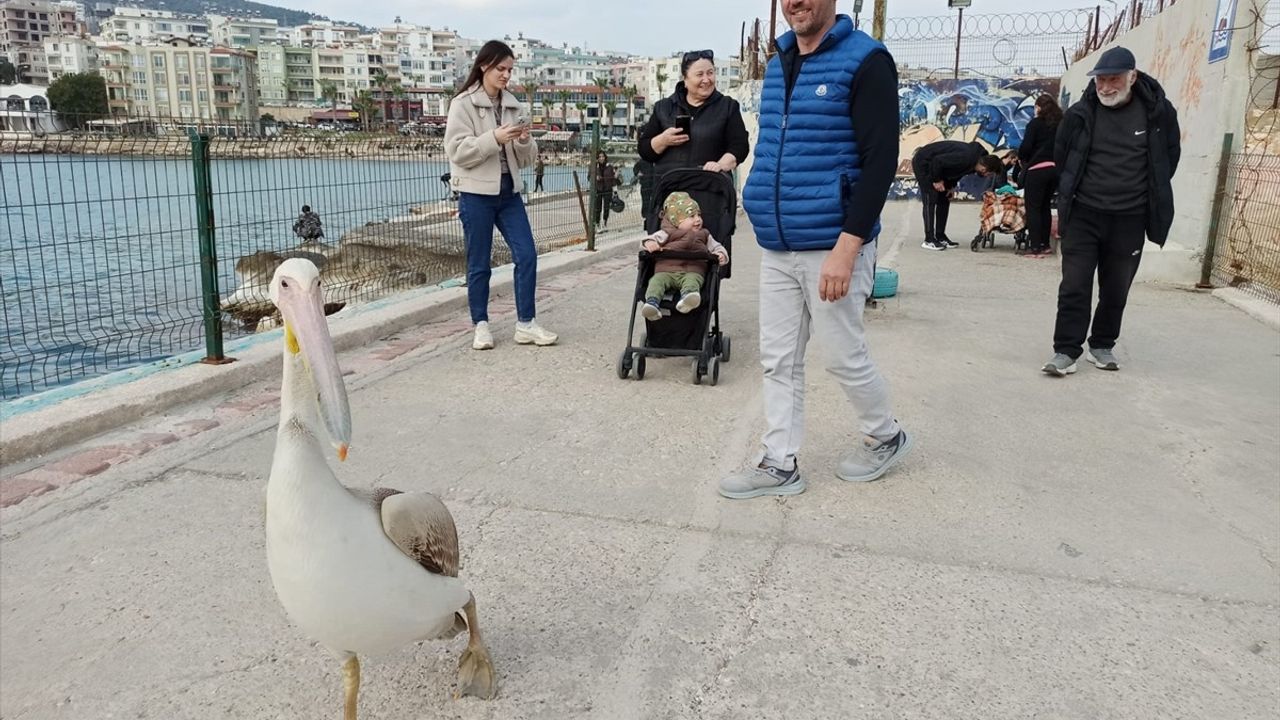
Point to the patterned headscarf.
(679, 207)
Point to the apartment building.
(243, 32)
(321, 32)
(67, 55)
(25, 25)
(181, 80)
(140, 25)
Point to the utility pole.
(877, 20)
(961, 5)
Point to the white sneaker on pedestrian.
(483, 339)
(531, 333)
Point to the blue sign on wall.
(1220, 40)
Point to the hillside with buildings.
(234, 67)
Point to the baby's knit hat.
(679, 207)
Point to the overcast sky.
(641, 27)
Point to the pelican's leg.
(475, 669)
(351, 684)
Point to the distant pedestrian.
(1040, 176)
(825, 158)
(487, 146)
(938, 168)
(308, 225)
(606, 181)
(539, 168)
(642, 174)
(1117, 150)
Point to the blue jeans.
(479, 215)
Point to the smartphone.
(684, 122)
(522, 120)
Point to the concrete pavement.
(1099, 546)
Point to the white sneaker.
(483, 339)
(689, 302)
(531, 333)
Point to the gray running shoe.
(1059, 366)
(760, 480)
(1103, 359)
(872, 459)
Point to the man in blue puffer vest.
(826, 155)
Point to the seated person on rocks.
(681, 231)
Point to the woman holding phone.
(487, 141)
(697, 126)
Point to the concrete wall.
(1173, 47)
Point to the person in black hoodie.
(938, 167)
(1040, 177)
(1117, 150)
(716, 138)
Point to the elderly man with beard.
(1117, 150)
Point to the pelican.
(360, 573)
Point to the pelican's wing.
(421, 526)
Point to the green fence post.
(210, 298)
(591, 178)
(1215, 216)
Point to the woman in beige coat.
(487, 140)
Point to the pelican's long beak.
(306, 331)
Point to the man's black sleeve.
(873, 105)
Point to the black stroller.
(696, 334)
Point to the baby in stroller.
(681, 231)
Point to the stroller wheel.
(624, 365)
(639, 366)
(713, 369)
(974, 245)
(724, 348)
(698, 372)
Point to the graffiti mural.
(994, 112)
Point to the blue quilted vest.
(806, 160)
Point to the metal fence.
(101, 239)
(1246, 252)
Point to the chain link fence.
(105, 242)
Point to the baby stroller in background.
(1004, 214)
(696, 334)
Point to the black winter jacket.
(1164, 149)
(946, 161)
(716, 128)
(1037, 143)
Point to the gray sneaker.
(1059, 366)
(1103, 359)
(762, 480)
(872, 459)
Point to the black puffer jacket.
(1164, 149)
(716, 128)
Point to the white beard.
(1116, 100)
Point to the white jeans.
(789, 310)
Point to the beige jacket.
(473, 149)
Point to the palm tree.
(609, 107)
(401, 95)
(365, 104)
(630, 92)
(662, 81)
(564, 96)
(582, 115)
(329, 91)
(601, 84)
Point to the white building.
(243, 32)
(321, 32)
(181, 80)
(140, 25)
(24, 110)
(67, 55)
